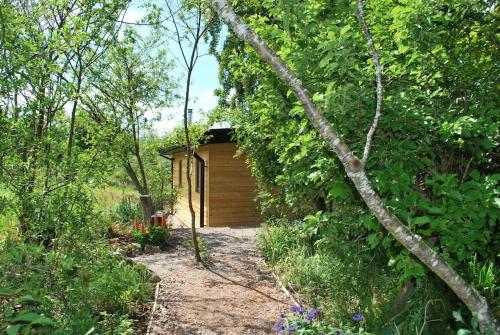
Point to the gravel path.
(233, 295)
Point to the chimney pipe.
(190, 115)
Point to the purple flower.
(358, 317)
(278, 326)
(313, 314)
(297, 309)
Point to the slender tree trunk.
(197, 34)
(353, 166)
(189, 152)
(73, 109)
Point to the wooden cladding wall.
(232, 189)
(182, 208)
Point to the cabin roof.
(215, 136)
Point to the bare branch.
(179, 39)
(378, 74)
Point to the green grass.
(109, 196)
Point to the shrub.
(126, 211)
(343, 278)
(72, 284)
(153, 235)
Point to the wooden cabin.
(223, 190)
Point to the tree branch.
(378, 74)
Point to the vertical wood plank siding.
(182, 208)
(230, 189)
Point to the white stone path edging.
(150, 325)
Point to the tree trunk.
(73, 109)
(189, 152)
(146, 201)
(147, 208)
(196, 33)
(353, 166)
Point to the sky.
(204, 80)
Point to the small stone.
(120, 252)
(154, 278)
(152, 249)
(133, 250)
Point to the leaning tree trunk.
(355, 170)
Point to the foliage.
(126, 211)
(300, 320)
(472, 328)
(327, 274)
(131, 84)
(70, 285)
(113, 324)
(154, 235)
(158, 171)
(433, 154)
(176, 138)
(53, 158)
(26, 322)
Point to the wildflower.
(142, 228)
(358, 317)
(292, 327)
(297, 309)
(312, 314)
(278, 326)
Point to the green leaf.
(475, 175)
(345, 29)
(457, 315)
(13, 330)
(43, 321)
(474, 322)
(5, 292)
(373, 240)
(26, 317)
(28, 298)
(422, 220)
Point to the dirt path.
(234, 295)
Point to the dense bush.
(127, 211)
(63, 264)
(344, 278)
(151, 235)
(433, 159)
(71, 284)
